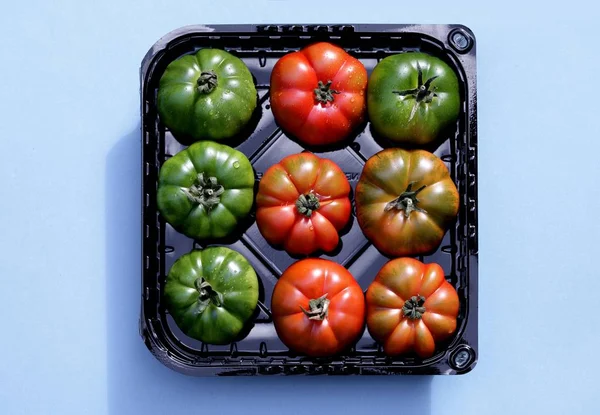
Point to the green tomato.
(212, 294)
(412, 97)
(205, 190)
(206, 96)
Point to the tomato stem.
(413, 307)
(318, 308)
(407, 201)
(324, 92)
(207, 82)
(307, 204)
(205, 192)
(422, 93)
(207, 294)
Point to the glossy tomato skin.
(283, 184)
(396, 283)
(393, 229)
(298, 108)
(206, 96)
(184, 183)
(398, 113)
(311, 279)
(212, 294)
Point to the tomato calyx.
(407, 201)
(324, 92)
(207, 294)
(413, 307)
(205, 192)
(422, 93)
(318, 308)
(307, 204)
(207, 82)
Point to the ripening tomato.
(405, 201)
(302, 203)
(318, 308)
(318, 93)
(412, 98)
(410, 307)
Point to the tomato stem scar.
(207, 294)
(317, 308)
(422, 93)
(307, 204)
(324, 93)
(205, 192)
(413, 307)
(207, 82)
(407, 201)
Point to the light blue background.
(70, 222)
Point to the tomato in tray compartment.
(411, 307)
(318, 94)
(206, 190)
(318, 308)
(209, 95)
(412, 98)
(405, 201)
(302, 203)
(212, 294)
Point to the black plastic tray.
(261, 352)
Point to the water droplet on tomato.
(311, 228)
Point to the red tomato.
(410, 307)
(302, 203)
(318, 308)
(318, 93)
